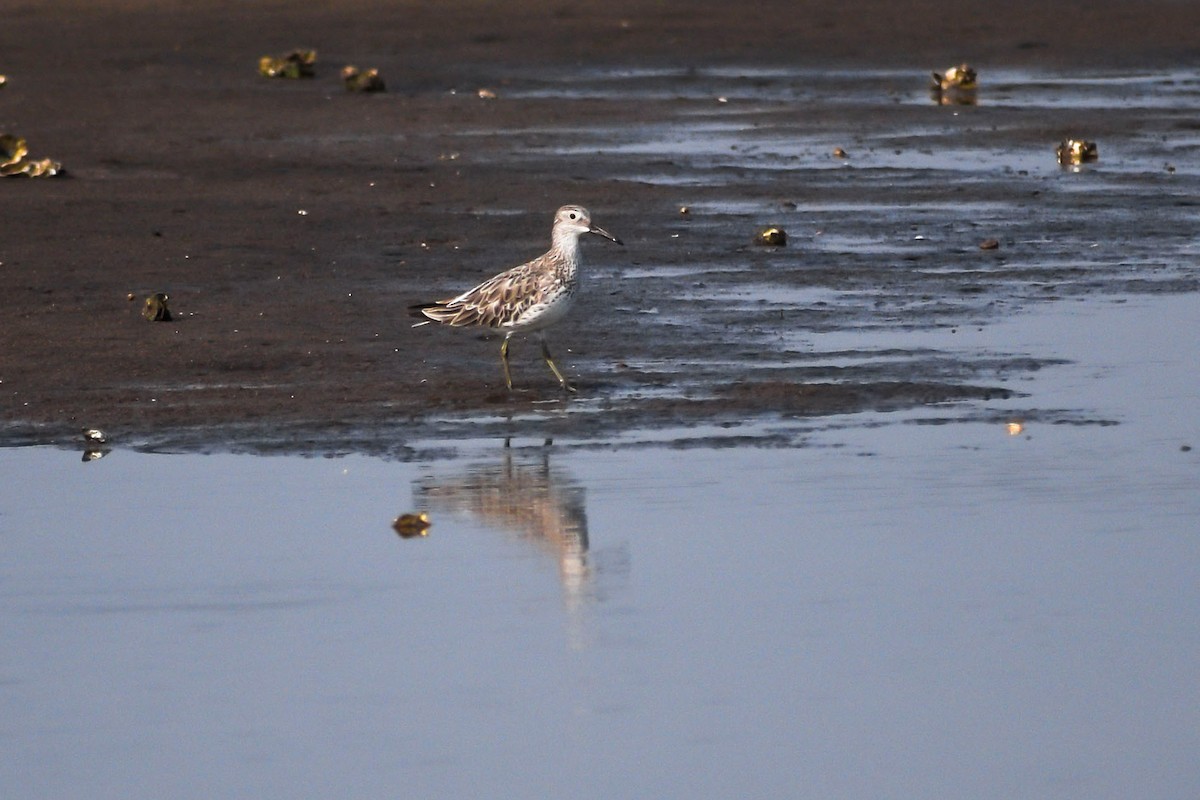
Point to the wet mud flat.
(291, 223)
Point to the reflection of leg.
(562, 381)
(504, 361)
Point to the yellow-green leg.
(562, 381)
(504, 361)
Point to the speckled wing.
(496, 303)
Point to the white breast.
(541, 315)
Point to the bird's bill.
(596, 229)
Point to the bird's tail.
(418, 311)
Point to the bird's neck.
(567, 245)
(565, 252)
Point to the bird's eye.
(574, 215)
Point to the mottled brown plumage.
(526, 298)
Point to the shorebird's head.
(574, 221)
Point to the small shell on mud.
(41, 168)
(771, 237)
(954, 87)
(94, 436)
(685, 211)
(357, 80)
(989, 244)
(1076, 151)
(960, 77)
(1015, 427)
(412, 525)
(13, 161)
(840, 153)
(3, 80)
(296, 64)
(155, 309)
(487, 94)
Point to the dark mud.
(291, 223)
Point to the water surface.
(920, 604)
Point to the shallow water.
(917, 604)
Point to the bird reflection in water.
(530, 498)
